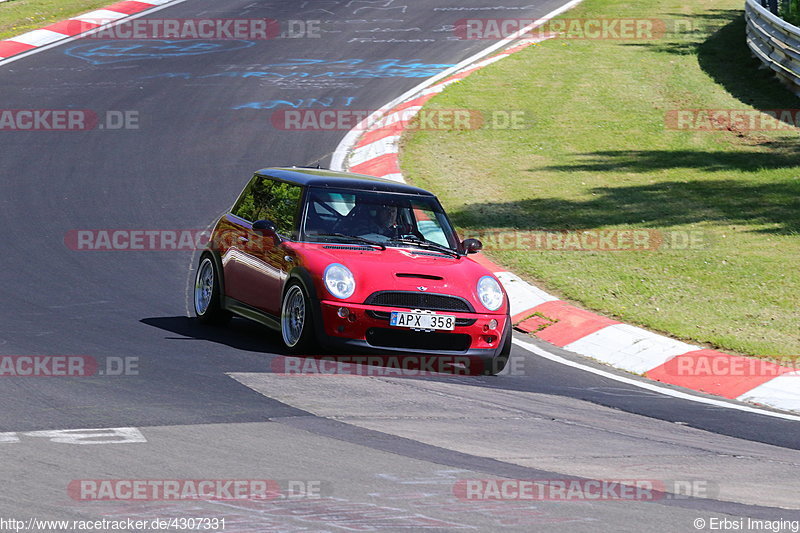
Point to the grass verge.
(20, 16)
(599, 156)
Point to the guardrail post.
(775, 42)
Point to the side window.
(244, 205)
(266, 199)
(326, 209)
(430, 225)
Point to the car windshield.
(390, 219)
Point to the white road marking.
(81, 436)
(649, 385)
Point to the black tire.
(297, 320)
(207, 294)
(496, 364)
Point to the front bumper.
(366, 328)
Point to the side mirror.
(472, 246)
(266, 228)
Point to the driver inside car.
(380, 220)
(372, 219)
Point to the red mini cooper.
(352, 262)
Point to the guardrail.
(775, 42)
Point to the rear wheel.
(297, 328)
(207, 301)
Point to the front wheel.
(297, 328)
(207, 301)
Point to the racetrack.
(388, 450)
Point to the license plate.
(422, 320)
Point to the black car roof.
(313, 177)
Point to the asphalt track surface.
(387, 450)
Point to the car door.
(256, 265)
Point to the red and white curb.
(75, 26)
(372, 148)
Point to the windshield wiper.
(352, 238)
(428, 245)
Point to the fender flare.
(302, 276)
(215, 257)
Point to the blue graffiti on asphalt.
(328, 101)
(115, 52)
(341, 69)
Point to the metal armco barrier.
(775, 42)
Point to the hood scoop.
(419, 276)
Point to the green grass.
(20, 16)
(598, 155)
(790, 11)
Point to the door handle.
(244, 239)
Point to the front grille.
(418, 340)
(384, 315)
(419, 300)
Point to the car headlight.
(490, 293)
(339, 281)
